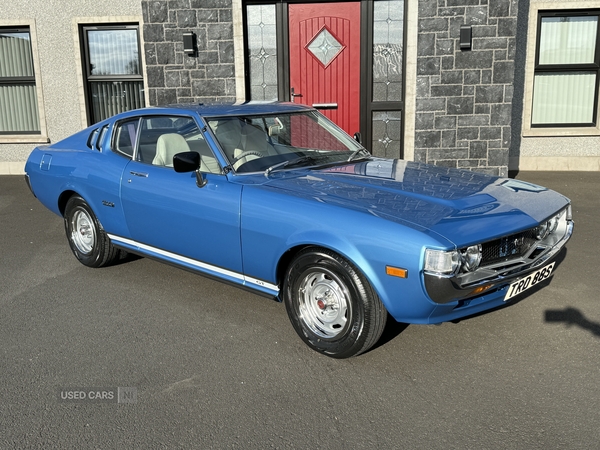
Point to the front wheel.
(87, 239)
(331, 305)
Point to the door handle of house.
(294, 95)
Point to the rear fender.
(69, 173)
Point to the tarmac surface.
(201, 364)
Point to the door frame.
(367, 106)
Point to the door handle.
(139, 174)
(294, 95)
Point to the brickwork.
(464, 98)
(174, 77)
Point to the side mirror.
(186, 162)
(358, 137)
(189, 162)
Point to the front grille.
(508, 247)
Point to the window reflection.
(114, 80)
(113, 52)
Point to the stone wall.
(172, 76)
(464, 98)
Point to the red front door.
(325, 59)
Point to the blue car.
(274, 197)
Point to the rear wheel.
(87, 239)
(331, 305)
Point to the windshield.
(274, 142)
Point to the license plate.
(528, 282)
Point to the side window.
(125, 137)
(162, 137)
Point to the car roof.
(228, 109)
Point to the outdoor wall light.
(465, 37)
(189, 43)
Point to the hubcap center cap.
(325, 301)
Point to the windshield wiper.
(289, 162)
(355, 154)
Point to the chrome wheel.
(83, 232)
(88, 240)
(323, 304)
(331, 305)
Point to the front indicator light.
(481, 289)
(396, 272)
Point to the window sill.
(561, 132)
(24, 139)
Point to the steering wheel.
(247, 153)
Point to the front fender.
(369, 242)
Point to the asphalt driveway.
(175, 360)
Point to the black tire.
(331, 304)
(87, 239)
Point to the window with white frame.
(18, 95)
(567, 69)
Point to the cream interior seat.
(168, 145)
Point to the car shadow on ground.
(390, 332)
(572, 316)
(126, 257)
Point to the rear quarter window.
(125, 137)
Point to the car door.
(168, 215)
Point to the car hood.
(462, 206)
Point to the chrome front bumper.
(446, 289)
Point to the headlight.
(441, 262)
(544, 229)
(541, 231)
(471, 257)
(552, 224)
